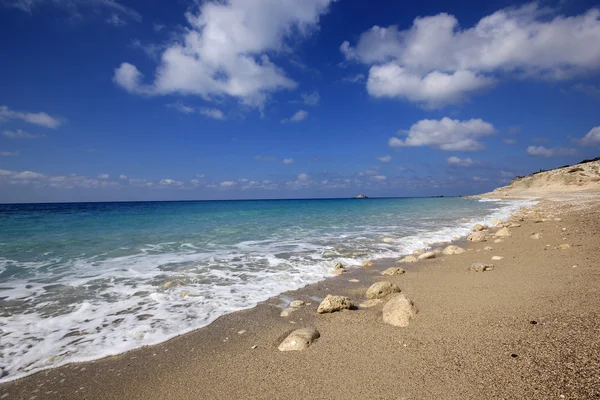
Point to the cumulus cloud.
(103, 176)
(462, 162)
(379, 177)
(592, 138)
(297, 117)
(56, 181)
(309, 99)
(287, 161)
(20, 134)
(40, 118)
(9, 153)
(303, 177)
(225, 50)
(227, 184)
(170, 183)
(385, 159)
(123, 177)
(436, 62)
(542, 151)
(446, 134)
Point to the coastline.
(439, 353)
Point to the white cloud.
(224, 52)
(158, 27)
(542, 151)
(379, 177)
(303, 177)
(436, 62)
(385, 159)
(510, 141)
(115, 20)
(297, 117)
(227, 184)
(207, 112)
(20, 134)
(72, 5)
(287, 160)
(592, 138)
(434, 90)
(311, 99)
(358, 78)
(103, 176)
(40, 118)
(9, 153)
(463, 162)
(213, 113)
(170, 182)
(480, 179)
(446, 134)
(123, 177)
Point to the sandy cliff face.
(580, 177)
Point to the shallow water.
(83, 281)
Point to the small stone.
(497, 222)
(409, 259)
(418, 252)
(368, 264)
(184, 294)
(393, 271)
(481, 267)
(254, 347)
(381, 289)
(477, 237)
(498, 241)
(536, 236)
(488, 248)
(242, 332)
(426, 256)
(497, 258)
(334, 303)
(399, 311)
(339, 266)
(451, 250)
(514, 225)
(353, 280)
(296, 304)
(503, 232)
(564, 229)
(370, 303)
(286, 312)
(479, 228)
(563, 246)
(300, 339)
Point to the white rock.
(334, 303)
(399, 311)
(409, 259)
(381, 289)
(296, 304)
(498, 241)
(477, 237)
(388, 240)
(497, 222)
(451, 250)
(481, 267)
(393, 271)
(426, 256)
(300, 339)
(503, 232)
(478, 228)
(536, 236)
(488, 248)
(497, 258)
(286, 312)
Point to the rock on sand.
(451, 250)
(334, 303)
(300, 339)
(409, 259)
(536, 236)
(503, 232)
(368, 264)
(381, 289)
(393, 271)
(426, 256)
(477, 237)
(479, 228)
(481, 267)
(399, 311)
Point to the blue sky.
(155, 100)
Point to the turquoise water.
(83, 281)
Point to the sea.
(82, 281)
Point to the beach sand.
(529, 328)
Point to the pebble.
(353, 280)
(253, 347)
(497, 258)
(242, 332)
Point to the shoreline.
(262, 325)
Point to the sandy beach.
(528, 328)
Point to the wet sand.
(529, 328)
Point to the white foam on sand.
(100, 307)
